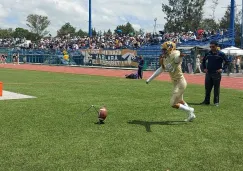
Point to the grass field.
(142, 132)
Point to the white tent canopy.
(232, 51)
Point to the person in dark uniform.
(213, 69)
(14, 58)
(140, 67)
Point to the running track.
(227, 82)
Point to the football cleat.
(191, 116)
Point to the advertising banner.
(112, 58)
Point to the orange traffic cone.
(1, 89)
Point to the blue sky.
(106, 13)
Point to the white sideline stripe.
(7, 95)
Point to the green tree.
(213, 7)
(38, 24)
(126, 29)
(33, 37)
(100, 33)
(94, 33)
(183, 15)
(209, 24)
(109, 32)
(81, 33)
(140, 32)
(66, 29)
(21, 33)
(225, 20)
(24, 33)
(104, 33)
(225, 24)
(6, 33)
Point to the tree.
(94, 33)
(213, 7)
(183, 15)
(81, 33)
(109, 32)
(23, 33)
(104, 33)
(38, 24)
(225, 20)
(126, 29)
(225, 24)
(20, 33)
(140, 32)
(6, 33)
(65, 30)
(209, 24)
(100, 33)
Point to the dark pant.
(237, 68)
(140, 73)
(212, 80)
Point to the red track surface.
(227, 82)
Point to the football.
(102, 113)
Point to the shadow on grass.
(199, 104)
(148, 125)
(194, 104)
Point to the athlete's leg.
(177, 99)
(182, 85)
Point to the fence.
(121, 58)
(111, 58)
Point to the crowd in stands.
(7, 42)
(198, 35)
(108, 41)
(115, 41)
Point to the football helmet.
(168, 47)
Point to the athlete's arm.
(159, 70)
(155, 74)
(161, 61)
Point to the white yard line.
(7, 95)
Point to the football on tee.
(102, 114)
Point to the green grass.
(141, 131)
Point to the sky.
(105, 13)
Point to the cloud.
(3, 11)
(105, 13)
(136, 26)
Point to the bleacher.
(224, 41)
(149, 52)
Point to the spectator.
(237, 64)
(140, 67)
(198, 64)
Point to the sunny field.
(142, 132)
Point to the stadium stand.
(50, 50)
